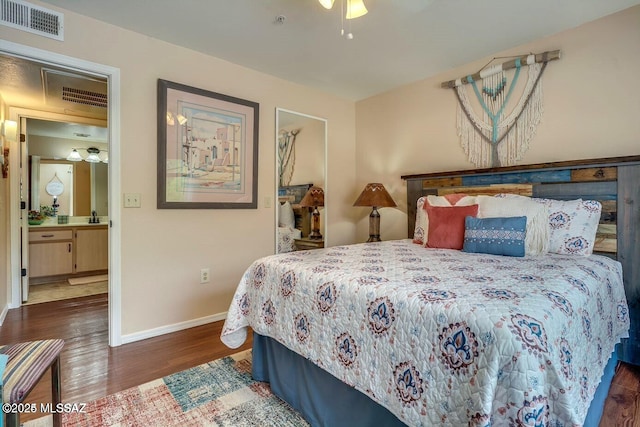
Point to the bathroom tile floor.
(63, 290)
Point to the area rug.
(88, 279)
(218, 393)
(57, 291)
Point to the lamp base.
(315, 228)
(374, 225)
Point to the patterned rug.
(218, 393)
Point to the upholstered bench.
(27, 363)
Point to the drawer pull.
(69, 247)
(47, 235)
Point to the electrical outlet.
(204, 275)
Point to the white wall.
(309, 150)
(591, 110)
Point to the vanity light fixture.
(74, 156)
(92, 157)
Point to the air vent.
(34, 19)
(84, 97)
(74, 92)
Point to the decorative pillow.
(497, 236)
(421, 222)
(421, 228)
(537, 232)
(572, 224)
(446, 225)
(285, 216)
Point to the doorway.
(68, 194)
(18, 217)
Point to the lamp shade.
(374, 194)
(313, 198)
(327, 4)
(355, 9)
(74, 156)
(93, 155)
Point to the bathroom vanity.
(66, 250)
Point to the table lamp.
(375, 195)
(313, 199)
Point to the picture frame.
(207, 149)
(293, 193)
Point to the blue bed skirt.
(323, 400)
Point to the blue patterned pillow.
(497, 236)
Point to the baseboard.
(155, 332)
(5, 310)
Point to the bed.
(393, 333)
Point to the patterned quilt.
(443, 337)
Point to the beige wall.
(309, 151)
(163, 250)
(591, 110)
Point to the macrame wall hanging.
(493, 136)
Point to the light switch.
(132, 200)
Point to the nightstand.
(306, 243)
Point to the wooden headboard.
(615, 182)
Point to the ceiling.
(32, 85)
(74, 131)
(397, 42)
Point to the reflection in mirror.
(83, 185)
(300, 164)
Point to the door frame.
(112, 75)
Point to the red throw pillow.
(446, 225)
(454, 198)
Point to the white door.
(24, 208)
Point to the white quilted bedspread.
(443, 337)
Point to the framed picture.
(207, 149)
(293, 193)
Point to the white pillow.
(536, 241)
(421, 222)
(421, 229)
(285, 216)
(573, 225)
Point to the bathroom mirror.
(301, 142)
(84, 184)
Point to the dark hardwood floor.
(91, 369)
